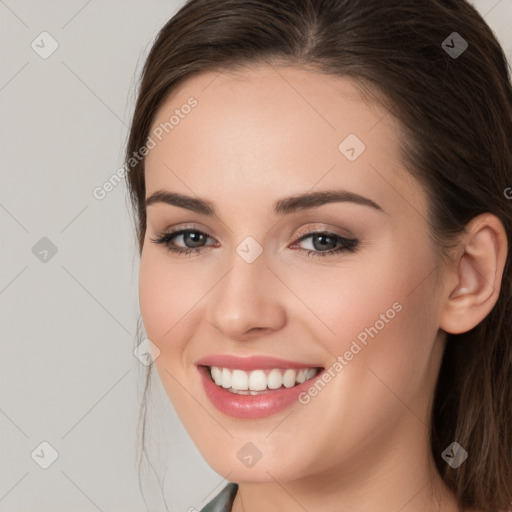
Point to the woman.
(321, 190)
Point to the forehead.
(277, 130)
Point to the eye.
(325, 239)
(194, 239)
(192, 236)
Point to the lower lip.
(252, 406)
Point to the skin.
(256, 136)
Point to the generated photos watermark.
(355, 348)
(100, 192)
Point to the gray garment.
(223, 502)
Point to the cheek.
(167, 295)
(167, 292)
(385, 325)
(384, 302)
(155, 304)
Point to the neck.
(380, 478)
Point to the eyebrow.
(284, 206)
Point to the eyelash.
(349, 244)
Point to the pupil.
(196, 235)
(322, 245)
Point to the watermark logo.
(249, 454)
(44, 45)
(351, 147)
(454, 45)
(146, 352)
(454, 455)
(249, 249)
(44, 250)
(44, 455)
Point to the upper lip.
(251, 363)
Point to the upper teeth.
(259, 380)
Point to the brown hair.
(456, 114)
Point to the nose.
(248, 300)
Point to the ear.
(475, 278)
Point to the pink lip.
(251, 363)
(252, 406)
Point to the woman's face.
(368, 315)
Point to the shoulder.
(223, 502)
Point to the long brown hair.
(456, 113)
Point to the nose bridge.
(247, 296)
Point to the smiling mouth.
(257, 382)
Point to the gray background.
(67, 369)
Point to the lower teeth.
(250, 392)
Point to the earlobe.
(478, 273)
